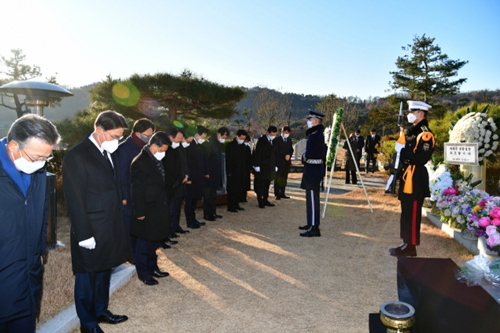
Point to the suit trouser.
(190, 210)
(348, 174)
(261, 187)
(145, 258)
(209, 201)
(411, 217)
(133, 240)
(24, 324)
(312, 203)
(233, 199)
(91, 296)
(280, 183)
(174, 208)
(371, 159)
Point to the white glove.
(256, 168)
(398, 147)
(88, 243)
(275, 169)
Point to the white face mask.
(309, 124)
(110, 146)
(175, 145)
(221, 140)
(185, 144)
(247, 144)
(28, 167)
(201, 140)
(411, 118)
(240, 141)
(286, 135)
(159, 155)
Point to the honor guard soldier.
(414, 181)
(314, 171)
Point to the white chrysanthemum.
(488, 153)
(495, 137)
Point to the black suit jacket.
(264, 157)
(149, 199)
(94, 203)
(282, 149)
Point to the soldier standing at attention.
(414, 182)
(314, 171)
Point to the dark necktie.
(105, 154)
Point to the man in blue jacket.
(23, 216)
(314, 171)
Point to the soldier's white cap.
(418, 106)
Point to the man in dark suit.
(142, 131)
(359, 144)
(150, 207)
(196, 171)
(264, 164)
(372, 143)
(284, 152)
(314, 171)
(214, 177)
(175, 177)
(236, 170)
(99, 236)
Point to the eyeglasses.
(42, 159)
(114, 137)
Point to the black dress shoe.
(404, 250)
(160, 274)
(217, 216)
(277, 197)
(313, 232)
(150, 281)
(209, 218)
(173, 235)
(165, 246)
(91, 330)
(109, 318)
(193, 226)
(305, 227)
(182, 231)
(261, 205)
(240, 208)
(171, 242)
(267, 203)
(232, 210)
(200, 223)
(285, 197)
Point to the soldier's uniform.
(414, 180)
(314, 171)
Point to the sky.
(306, 47)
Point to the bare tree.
(272, 109)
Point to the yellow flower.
(477, 209)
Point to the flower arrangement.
(477, 127)
(439, 180)
(485, 220)
(332, 147)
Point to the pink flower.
(493, 240)
(484, 222)
(482, 203)
(495, 222)
(495, 213)
(491, 230)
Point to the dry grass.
(251, 272)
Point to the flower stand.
(479, 173)
(483, 249)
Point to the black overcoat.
(315, 150)
(213, 161)
(196, 170)
(371, 144)
(149, 199)
(236, 166)
(264, 156)
(174, 164)
(282, 149)
(23, 230)
(350, 161)
(94, 203)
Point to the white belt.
(314, 161)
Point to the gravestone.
(298, 149)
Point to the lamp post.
(37, 93)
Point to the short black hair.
(174, 131)
(160, 139)
(110, 119)
(33, 126)
(241, 132)
(202, 129)
(272, 129)
(358, 131)
(223, 130)
(374, 130)
(142, 125)
(286, 129)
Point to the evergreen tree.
(427, 72)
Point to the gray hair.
(33, 126)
